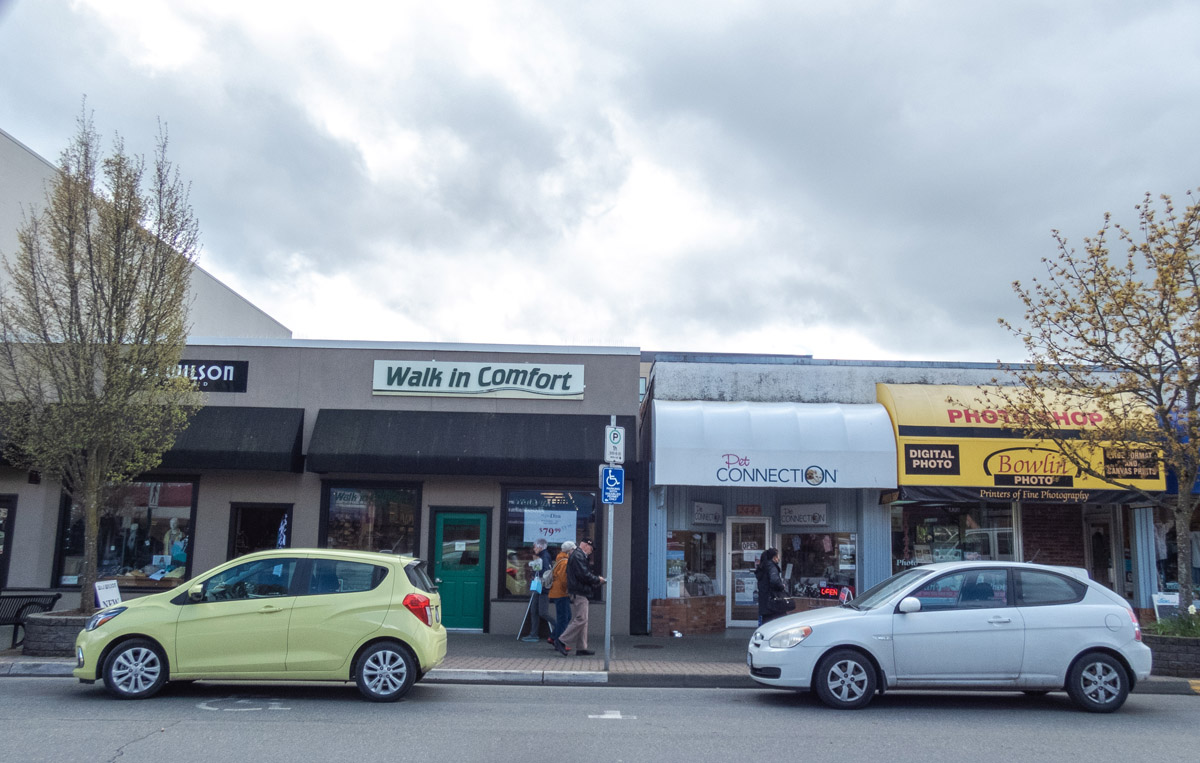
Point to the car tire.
(1098, 683)
(385, 672)
(845, 679)
(135, 669)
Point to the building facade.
(463, 455)
(855, 470)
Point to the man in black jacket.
(582, 585)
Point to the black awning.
(437, 442)
(243, 438)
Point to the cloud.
(847, 180)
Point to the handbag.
(782, 604)
(547, 580)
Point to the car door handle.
(270, 609)
(1000, 620)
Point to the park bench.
(15, 607)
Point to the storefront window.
(1166, 552)
(373, 518)
(691, 564)
(924, 533)
(557, 516)
(145, 538)
(819, 565)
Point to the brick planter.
(52, 634)
(1174, 655)
(693, 614)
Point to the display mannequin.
(173, 535)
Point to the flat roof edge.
(354, 344)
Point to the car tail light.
(419, 606)
(1137, 627)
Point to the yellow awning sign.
(972, 452)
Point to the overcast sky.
(857, 180)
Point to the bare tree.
(1121, 333)
(93, 321)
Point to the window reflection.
(144, 540)
(372, 519)
(554, 514)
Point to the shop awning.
(793, 445)
(952, 446)
(242, 438)
(439, 442)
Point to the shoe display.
(584, 652)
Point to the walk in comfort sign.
(511, 380)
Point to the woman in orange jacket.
(559, 598)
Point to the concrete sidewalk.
(700, 661)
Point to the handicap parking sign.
(612, 484)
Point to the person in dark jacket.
(770, 584)
(582, 585)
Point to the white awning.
(793, 445)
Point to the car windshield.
(880, 593)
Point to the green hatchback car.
(286, 614)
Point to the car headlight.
(102, 617)
(789, 638)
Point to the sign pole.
(608, 557)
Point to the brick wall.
(52, 635)
(1053, 535)
(1174, 656)
(693, 614)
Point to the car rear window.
(419, 576)
(332, 576)
(1037, 588)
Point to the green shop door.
(459, 568)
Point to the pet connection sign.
(513, 380)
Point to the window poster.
(745, 587)
(555, 526)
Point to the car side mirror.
(909, 604)
(196, 592)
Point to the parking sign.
(612, 484)
(614, 445)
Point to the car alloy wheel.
(1098, 683)
(845, 679)
(135, 669)
(385, 672)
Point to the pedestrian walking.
(770, 586)
(558, 595)
(582, 586)
(539, 597)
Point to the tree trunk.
(89, 504)
(1184, 509)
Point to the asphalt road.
(58, 719)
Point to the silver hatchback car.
(1003, 626)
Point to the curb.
(533, 677)
(36, 668)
